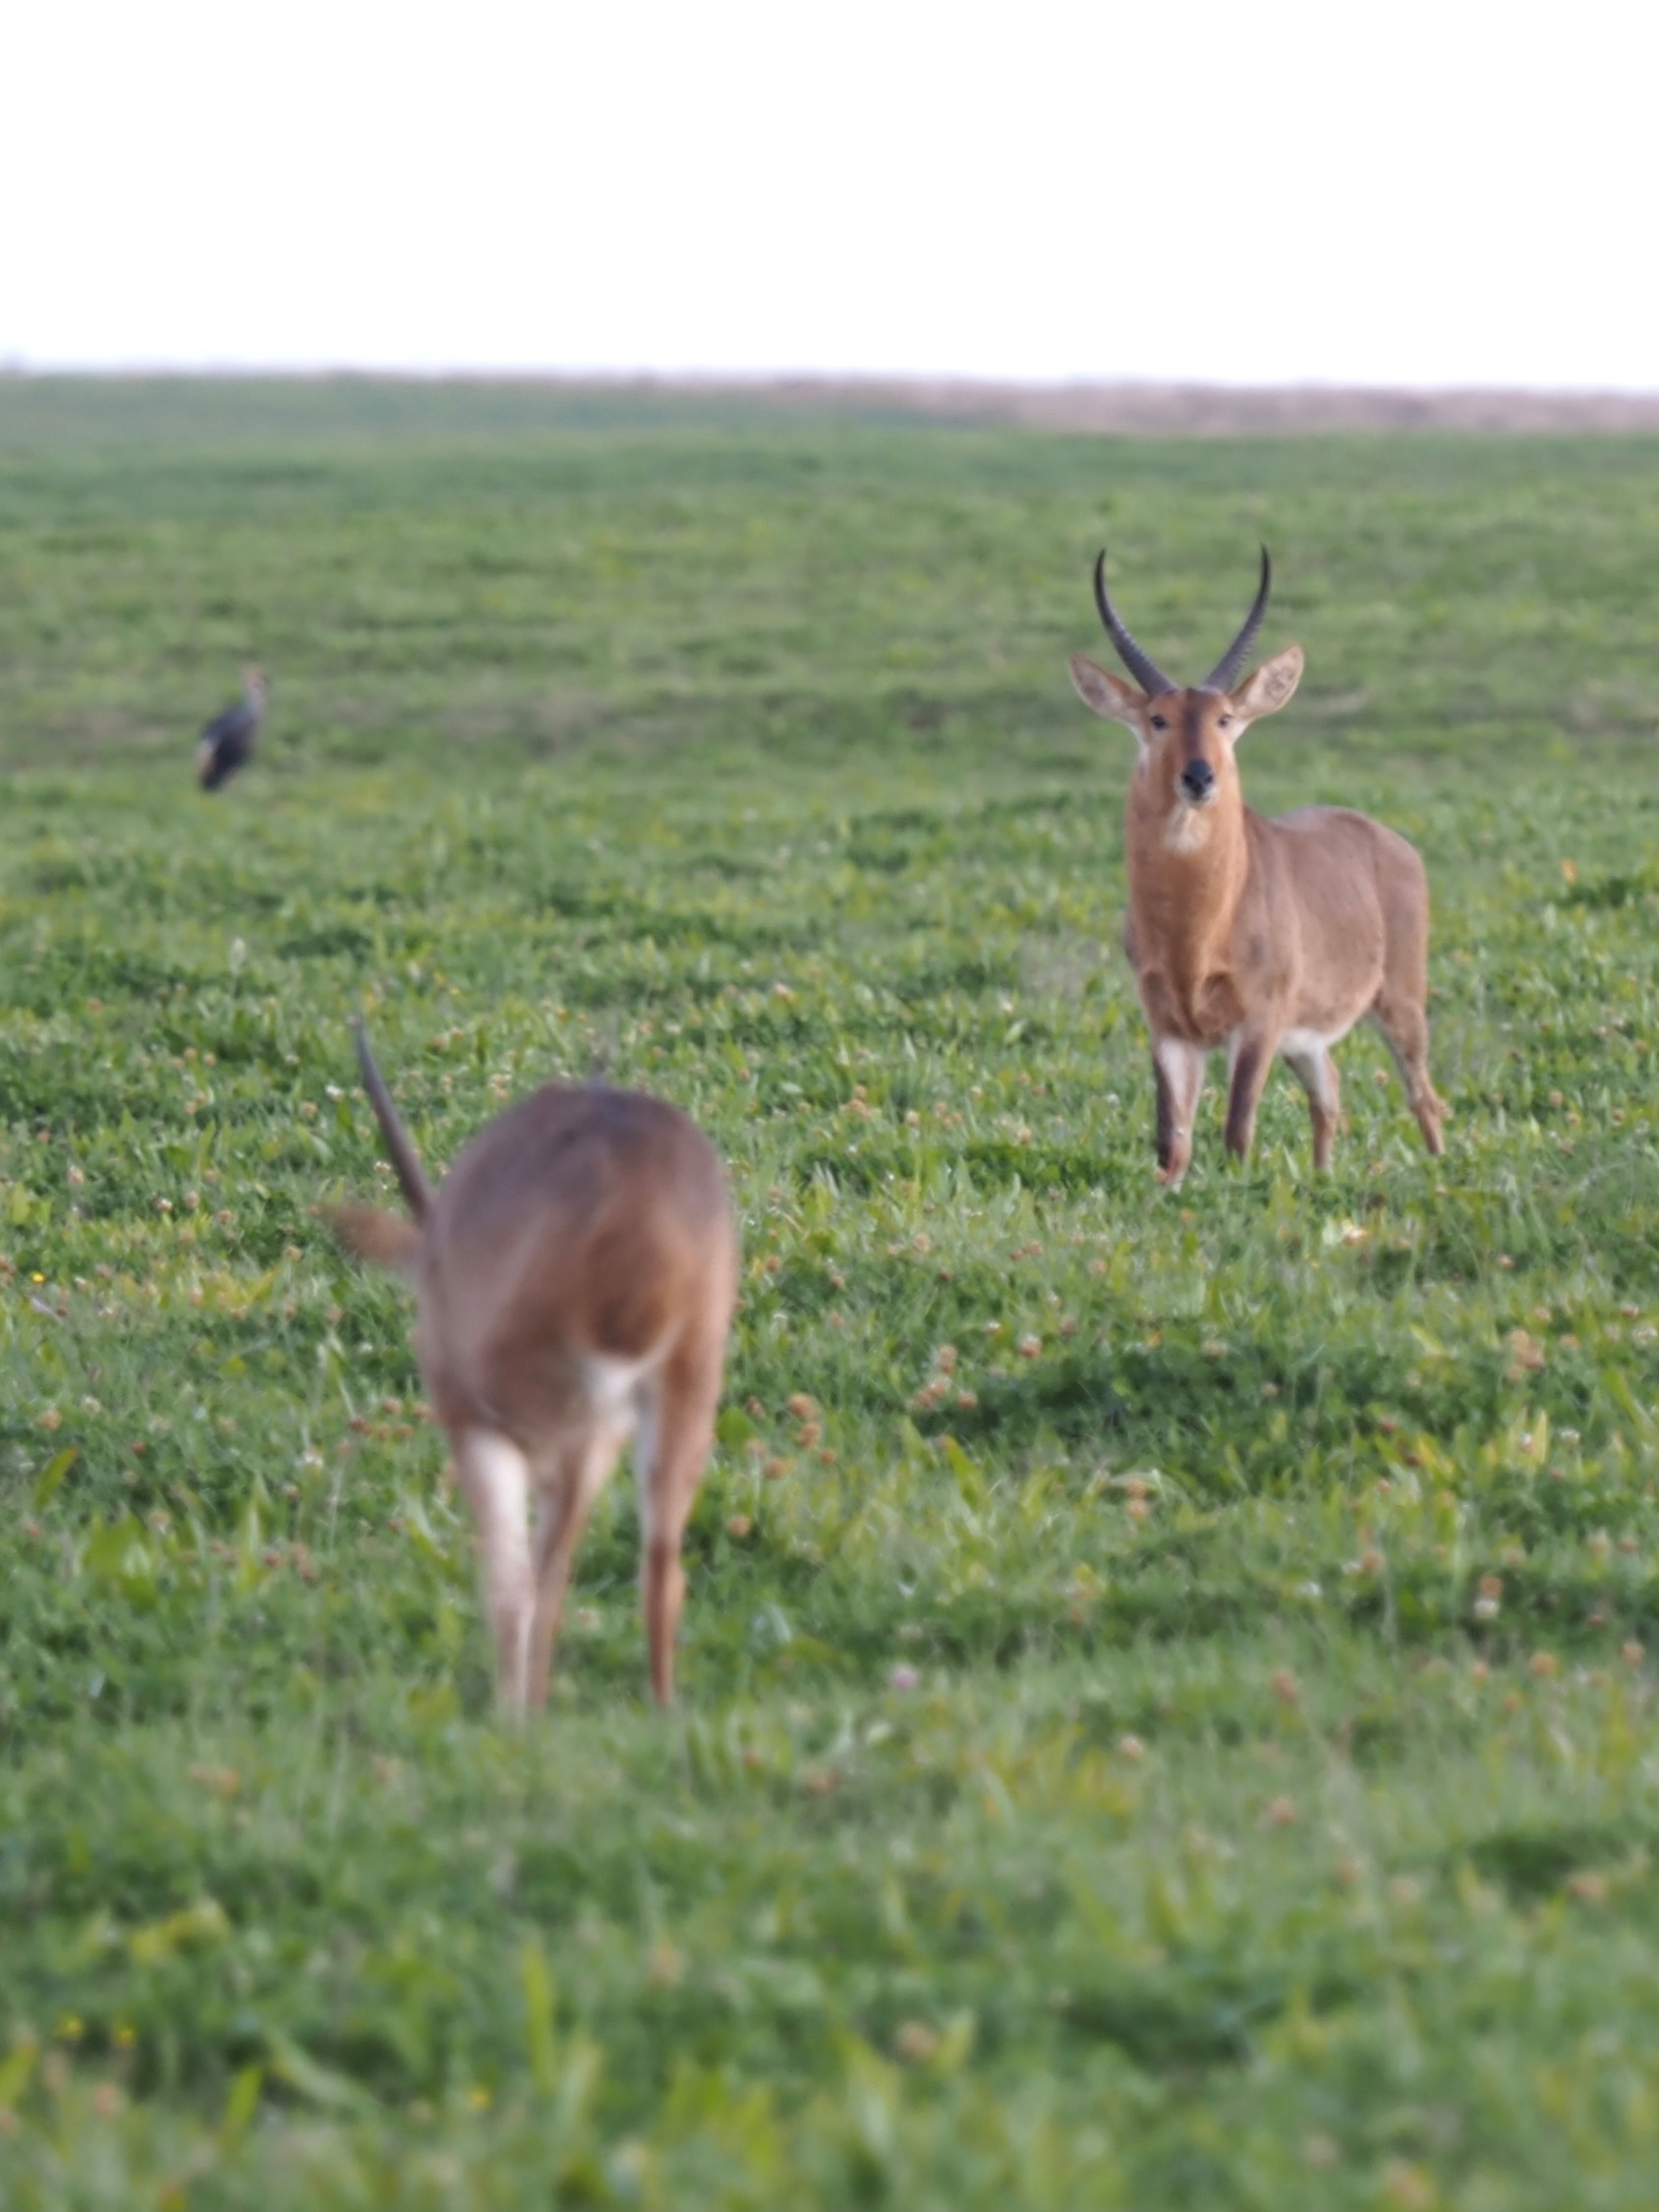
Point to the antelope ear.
(1107, 695)
(1274, 685)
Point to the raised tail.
(405, 1161)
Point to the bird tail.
(405, 1160)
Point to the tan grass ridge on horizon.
(1123, 407)
(1160, 409)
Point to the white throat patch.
(1187, 830)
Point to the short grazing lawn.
(1168, 1683)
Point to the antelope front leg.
(1249, 1061)
(1179, 1069)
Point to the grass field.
(1168, 1683)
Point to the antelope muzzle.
(1199, 783)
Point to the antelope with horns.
(1261, 937)
(576, 1272)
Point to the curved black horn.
(1145, 670)
(1224, 675)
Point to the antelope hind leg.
(1404, 1029)
(495, 1478)
(676, 1434)
(581, 1473)
(1309, 1060)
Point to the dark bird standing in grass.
(227, 743)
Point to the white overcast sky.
(1423, 191)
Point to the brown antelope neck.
(576, 1272)
(1260, 938)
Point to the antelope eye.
(1221, 721)
(1158, 722)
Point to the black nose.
(1197, 779)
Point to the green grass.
(1190, 1744)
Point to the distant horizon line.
(1124, 405)
(19, 368)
